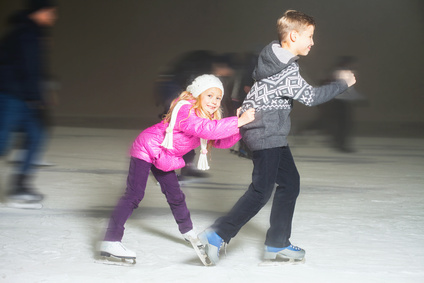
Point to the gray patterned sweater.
(277, 83)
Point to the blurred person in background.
(340, 110)
(179, 74)
(23, 72)
(242, 83)
(336, 118)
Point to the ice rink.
(360, 217)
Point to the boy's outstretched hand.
(347, 76)
(247, 117)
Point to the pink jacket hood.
(188, 130)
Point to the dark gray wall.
(107, 53)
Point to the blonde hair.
(293, 20)
(200, 112)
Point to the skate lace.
(295, 248)
(224, 245)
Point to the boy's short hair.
(293, 20)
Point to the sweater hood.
(272, 60)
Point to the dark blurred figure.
(336, 116)
(242, 84)
(182, 71)
(23, 67)
(224, 67)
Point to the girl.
(194, 119)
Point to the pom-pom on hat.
(202, 83)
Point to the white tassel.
(168, 142)
(202, 164)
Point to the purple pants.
(136, 186)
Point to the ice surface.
(360, 217)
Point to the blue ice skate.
(277, 256)
(212, 243)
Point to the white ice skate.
(25, 199)
(23, 205)
(282, 256)
(116, 253)
(192, 238)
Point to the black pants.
(271, 166)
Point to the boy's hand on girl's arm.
(347, 76)
(247, 117)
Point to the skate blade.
(112, 260)
(25, 198)
(192, 180)
(200, 251)
(281, 261)
(24, 205)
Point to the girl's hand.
(247, 117)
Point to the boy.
(277, 83)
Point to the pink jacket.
(188, 130)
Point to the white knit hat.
(202, 83)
